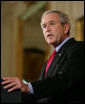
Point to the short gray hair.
(63, 18)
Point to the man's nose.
(48, 28)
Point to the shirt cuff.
(30, 88)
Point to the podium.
(10, 97)
(15, 96)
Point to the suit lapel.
(54, 62)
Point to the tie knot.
(54, 51)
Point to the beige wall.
(10, 11)
(32, 32)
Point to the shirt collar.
(59, 46)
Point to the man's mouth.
(49, 35)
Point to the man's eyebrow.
(52, 21)
(49, 21)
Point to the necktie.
(50, 60)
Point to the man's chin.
(55, 44)
(51, 43)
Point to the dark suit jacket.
(64, 81)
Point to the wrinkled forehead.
(49, 17)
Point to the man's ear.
(66, 28)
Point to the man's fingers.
(12, 83)
(7, 78)
(9, 85)
(6, 81)
(12, 89)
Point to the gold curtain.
(80, 29)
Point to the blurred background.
(23, 48)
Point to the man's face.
(54, 32)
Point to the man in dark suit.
(61, 80)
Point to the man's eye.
(43, 26)
(52, 23)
